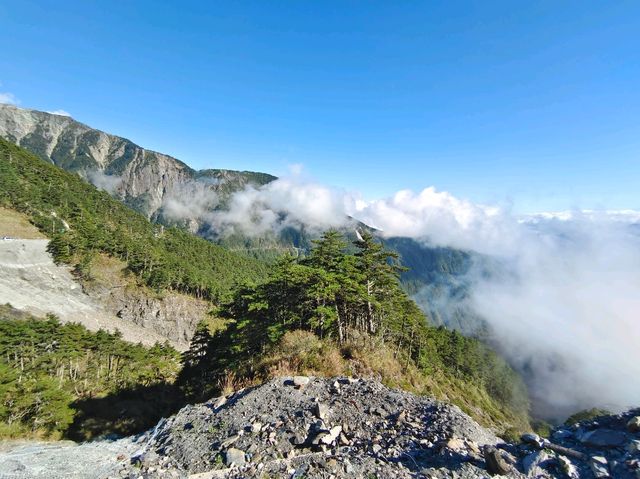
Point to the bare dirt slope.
(31, 281)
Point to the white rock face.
(19, 123)
(31, 281)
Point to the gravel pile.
(312, 427)
(605, 447)
(305, 427)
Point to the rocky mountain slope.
(99, 239)
(302, 427)
(31, 281)
(151, 182)
(140, 177)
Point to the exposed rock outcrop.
(31, 281)
(140, 177)
(173, 316)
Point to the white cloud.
(567, 312)
(9, 98)
(281, 203)
(60, 112)
(438, 216)
(623, 216)
(192, 200)
(109, 183)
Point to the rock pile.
(604, 447)
(349, 428)
(310, 427)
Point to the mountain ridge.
(142, 178)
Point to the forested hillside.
(334, 313)
(82, 220)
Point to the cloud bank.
(564, 306)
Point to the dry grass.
(302, 352)
(110, 272)
(16, 225)
(230, 382)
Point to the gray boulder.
(604, 438)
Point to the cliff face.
(171, 315)
(140, 177)
(30, 281)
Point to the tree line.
(47, 366)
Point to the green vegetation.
(338, 313)
(232, 181)
(586, 415)
(81, 220)
(47, 370)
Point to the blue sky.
(534, 104)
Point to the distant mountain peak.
(141, 178)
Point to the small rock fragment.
(455, 444)
(300, 381)
(256, 427)
(599, 467)
(221, 401)
(473, 446)
(495, 462)
(535, 463)
(568, 468)
(532, 439)
(634, 424)
(634, 447)
(321, 410)
(235, 457)
(561, 434)
(230, 440)
(331, 437)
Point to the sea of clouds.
(565, 310)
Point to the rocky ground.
(341, 428)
